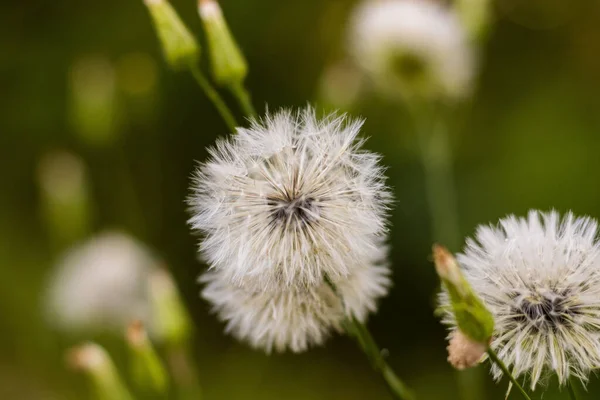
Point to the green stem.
(436, 156)
(214, 97)
(243, 97)
(571, 391)
(494, 357)
(362, 335)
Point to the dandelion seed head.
(412, 48)
(288, 201)
(540, 277)
(101, 285)
(300, 317)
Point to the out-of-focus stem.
(437, 160)
(436, 156)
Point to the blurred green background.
(530, 139)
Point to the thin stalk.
(242, 95)
(438, 170)
(214, 97)
(494, 358)
(364, 338)
(571, 390)
(436, 155)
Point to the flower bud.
(147, 369)
(95, 362)
(472, 316)
(463, 352)
(228, 65)
(178, 45)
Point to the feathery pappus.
(290, 200)
(540, 278)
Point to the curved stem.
(214, 97)
(362, 335)
(494, 357)
(243, 97)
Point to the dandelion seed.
(412, 49)
(540, 277)
(288, 201)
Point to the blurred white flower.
(289, 201)
(412, 48)
(540, 277)
(296, 318)
(101, 285)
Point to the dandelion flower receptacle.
(412, 49)
(290, 200)
(540, 278)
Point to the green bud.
(472, 317)
(228, 65)
(172, 324)
(178, 45)
(95, 362)
(147, 369)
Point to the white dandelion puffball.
(540, 277)
(297, 318)
(412, 48)
(101, 285)
(289, 201)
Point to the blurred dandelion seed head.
(540, 277)
(101, 285)
(290, 200)
(412, 49)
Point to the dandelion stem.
(242, 95)
(494, 357)
(571, 390)
(436, 156)
(362, 335)
(214, 97)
